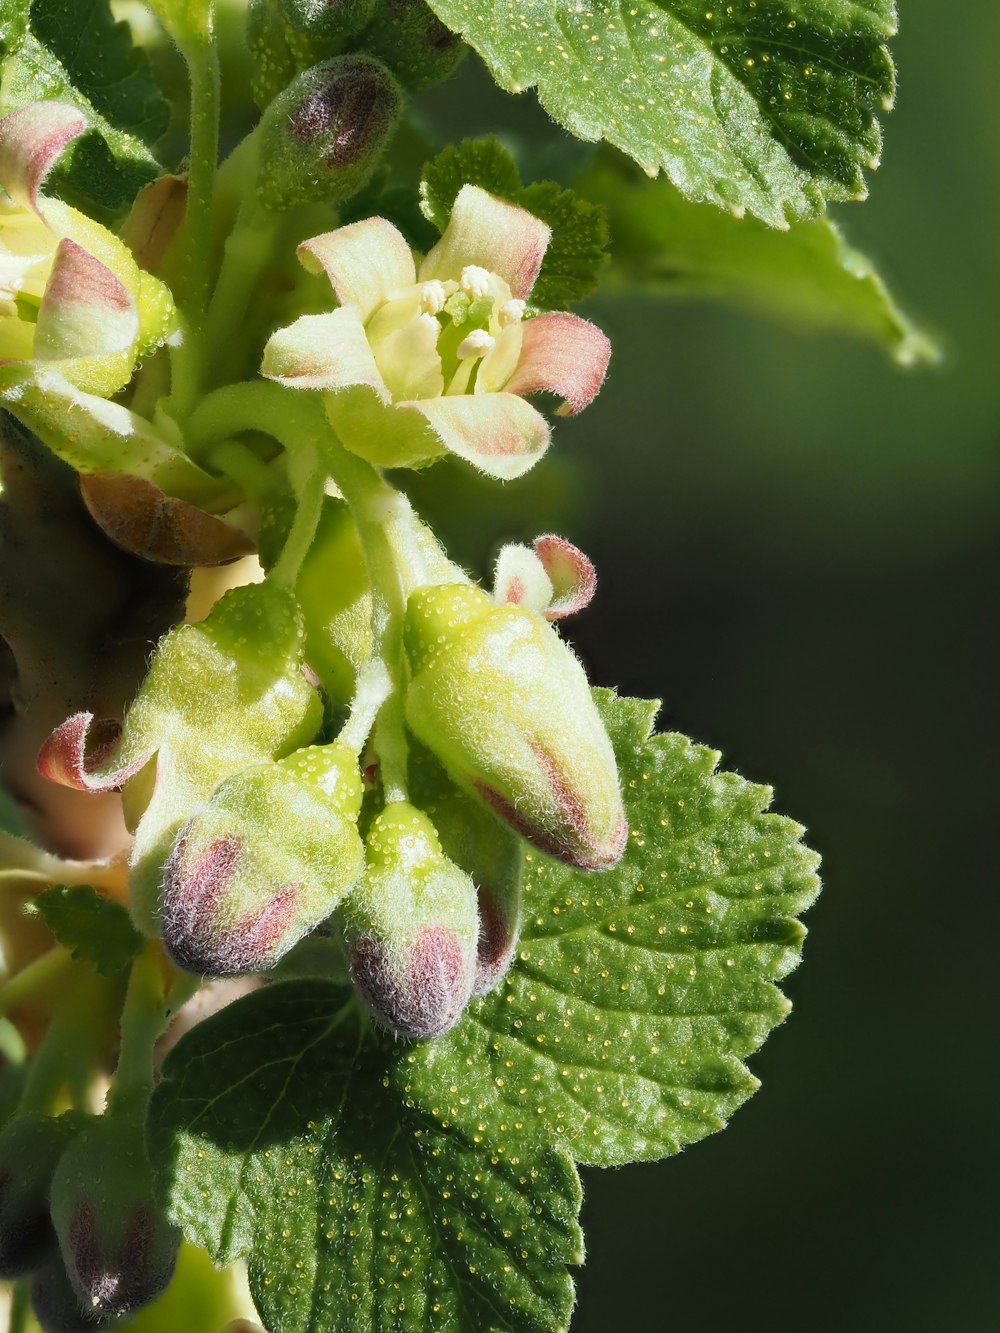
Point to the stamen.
(432, 297)
(511, 312)
(475, 281)
(478, 343)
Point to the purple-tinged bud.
(30, 1149)
(409, 37)
(411, 928)
(118, 1248)
(264, 862)
(321, 138)
(505, 706)
(57, 1307)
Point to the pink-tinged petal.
(31, 140)
(498, 433)
(327, 352)
(493, 234)
(564, 355)
(85, 312)
(520, 579)
(571, 574)
(365, 262)
(80, 753)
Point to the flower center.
(448, 337)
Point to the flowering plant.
(342, 917)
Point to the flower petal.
(87, 315)
(365, 262)
(384, 435)
(572, 576)
(498, 433)
(31, 140)
(493, 234)
(520, 579)
(564, 355)
(82, 753)
(327, 351)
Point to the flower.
(420, 360)
(74, 305)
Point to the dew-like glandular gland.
(193, 933)
(352, 111)
(423, 993)
(115, 1284)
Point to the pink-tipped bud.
(411, 928)
(268, 859)
(505, 706)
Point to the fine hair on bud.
(411, 928)
(57, 1307)
(30, 1149)
(327, 22)
(118, 1249)
(321, 138)
(410, 38)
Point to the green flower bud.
(56, 1305)
(264, 862)
(327, 22)
(30, 1149)
(409, 37)
(321, 138)
(503, 703)
(410, 927)
(118, 1248)
(274, 65)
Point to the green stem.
(20, 1306)
(33, 979)
(203, 67)
(68, 1051)
(385, 524)
(308, 477)
(143, 1018)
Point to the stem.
(143, 1018)
(385, 525)
(203, 66)
(33, 978)
(69, 1047)
(308, 476)
(20, 1307)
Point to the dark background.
(797, 549)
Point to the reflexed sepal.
(268, 859)
(553, 577)
(505, 706)
(117, 1246)
(30, 1149)
(409, 37)
(220, 696)
(320, 138)
(411, 927)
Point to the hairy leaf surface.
(94, 928)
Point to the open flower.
(73, 302)
(425, 359)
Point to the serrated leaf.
(766, 106)
(578, 248)
(95, 929)
(809, 274)
(283, 1129)
(373, 1181)
(75, 52)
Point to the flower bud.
(30, 1149)
(328, 23)
(505, 706)
(409, 37)
(57, 1307)
(320, 139)
(264, 862)
(411, 927)
(118, 1248)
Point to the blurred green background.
(797, 547)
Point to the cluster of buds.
(79, 1216)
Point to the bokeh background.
(797, 545)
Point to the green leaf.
(378, 1185)
(809, 274)
(578, 248)
(74, 51)
(767, 106)
(94, 928)
(284, 1128)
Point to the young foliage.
(578, 249)
(808, 274)
(94, 928)
(764, 107)
(67, 51)
(430, 1186)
